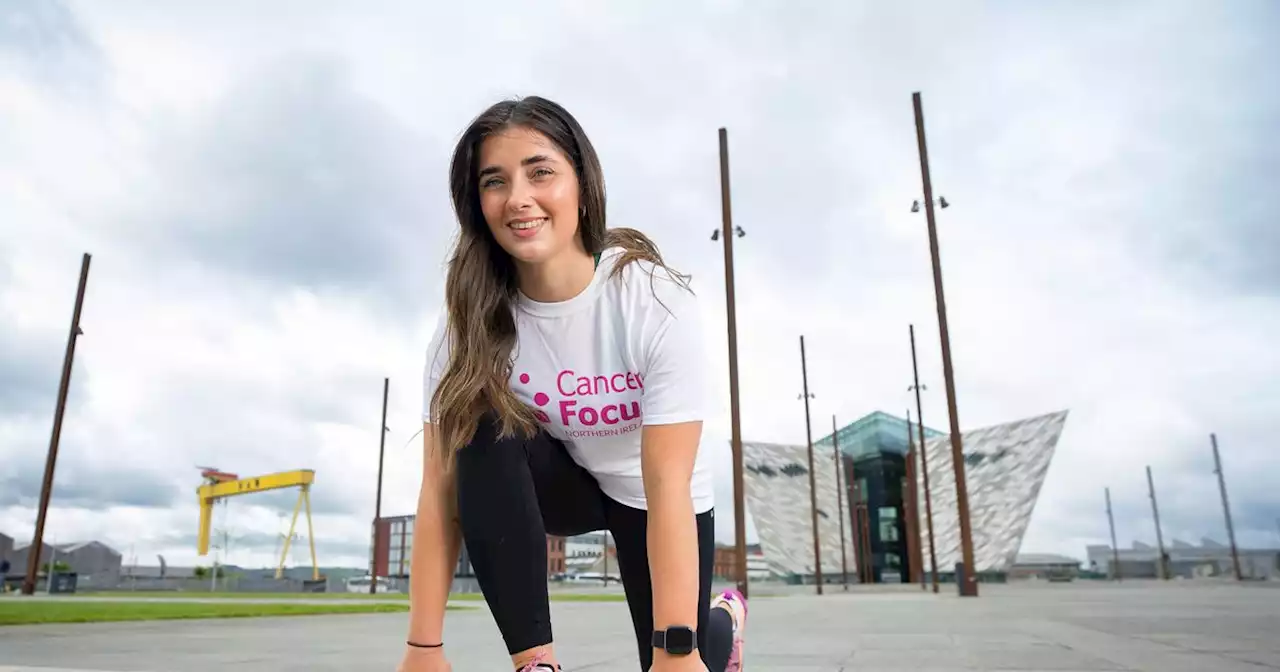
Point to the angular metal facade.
(1005, 468)
(777, 485)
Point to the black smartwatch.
(677, 640)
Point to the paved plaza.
(1175, 627)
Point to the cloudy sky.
(263, 190)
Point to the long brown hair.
(480, 288)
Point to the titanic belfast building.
(869, 501)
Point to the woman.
(565, 393)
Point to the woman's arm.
(436, 543)
(667, 458)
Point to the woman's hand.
(418, 659)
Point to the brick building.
(555, 555)
(726, 568)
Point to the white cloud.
(264, 195)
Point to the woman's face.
(528, 194)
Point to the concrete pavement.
(1174, 627)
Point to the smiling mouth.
(527, 225)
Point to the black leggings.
(513, 492)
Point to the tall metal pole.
(969, 586)
(924, 463)
(910, 509)
(377, 511)
(51, 460)
(1226, 507)
(739, 504)
(813, 487)
(1115, 548)
(835, 450)
(1155, 512)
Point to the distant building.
(6, 549)
(391, 550)
(94, 562)
(1005, 467)
(1045, 566)
(7, 564)
(555, 555)
(1185, 560)
(599, 567)
(726, 563)
(582, 553)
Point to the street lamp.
(968, 584)
(942, 203)
(1115, 549)
(51, 460)
(715, 235)
(1155, 514)
(924, 459)
(835, 450)
(739, 504)
(377, 511)
(813, 485)
(1226, 507)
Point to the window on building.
(888, 524)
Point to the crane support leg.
(292, 525)
(315, 567)
(206, 523)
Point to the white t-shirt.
(624, 353)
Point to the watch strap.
(659, 640)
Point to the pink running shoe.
(733, 602)
(538, 663)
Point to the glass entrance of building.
(875, 485)
(874, 473)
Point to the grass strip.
(17, 611)
(232, 595)
(337, 597)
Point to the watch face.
(680, 640)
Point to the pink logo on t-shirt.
(540, 399)
(615, 417)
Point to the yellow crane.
(221, 485)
